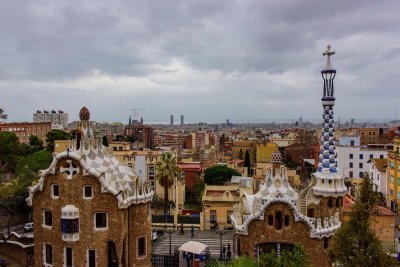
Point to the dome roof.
(84, 114)
(276, 157)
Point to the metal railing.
(188, 219)
(162, 218)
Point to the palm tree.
(2, 115)
(167, 170)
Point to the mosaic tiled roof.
(96, 160)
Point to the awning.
(194, 247)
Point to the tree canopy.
(105, 141)
(299, 257)
(3, 116)
(9, 150)
(355, 243)
(56, 135)
(219, 175)
(167, 169)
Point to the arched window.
(278, 220)
(330, 203)
(337, 203)
(270, 219)
(286, 220)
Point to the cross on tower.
(328, 53)
(70, 170)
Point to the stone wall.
(259, 231)
(139, 226)
(16, 252)
(71, 193)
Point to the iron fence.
(162, 218)
(188, 219)
(163, 260)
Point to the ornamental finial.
(328, 53)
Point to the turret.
(328, 182)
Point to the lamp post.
(170, 233)
(220, 233)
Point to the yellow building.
(393, 177)
(239, 148)
(264, 151)
(143, 162)
(218, 202)
(60, 145)
(120, 146)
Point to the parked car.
(28, 227)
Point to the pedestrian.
(192, 231)
(4, 263)
(182, 232)
(229, 254)
(184, 254)
(188, 258)
(223, 250)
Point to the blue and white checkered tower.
(328, 183)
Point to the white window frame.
(83, 191)
(52, 191)
(44, 219)
(45, 264)
(65, 256)
(94, 222)
(87, 257)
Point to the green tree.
(36, 142)
(56, 135)
(3, 116)
(299, 257)
(9, 149)
(219, 175)
(105, 141)
(242, 261)
(119, 138)
(355, 243)
(130, 138)
(247, 161)
(167, 169)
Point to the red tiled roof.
(348, 202)
(191, 166)
(379, 210)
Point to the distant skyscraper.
(352, 121)
(300, 120)
(171, 119)
(227, 121)
(182, 120)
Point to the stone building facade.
(278, 216)
(25, 129)
(88, 210)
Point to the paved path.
(209, 238)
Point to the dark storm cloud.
(182, 56)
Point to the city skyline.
(192, 58)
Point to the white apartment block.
(59, 120)
(352, 158)
(377, 172)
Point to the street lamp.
(220, 233)
(170, 233)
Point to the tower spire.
(329, 182)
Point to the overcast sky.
(210, 60)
